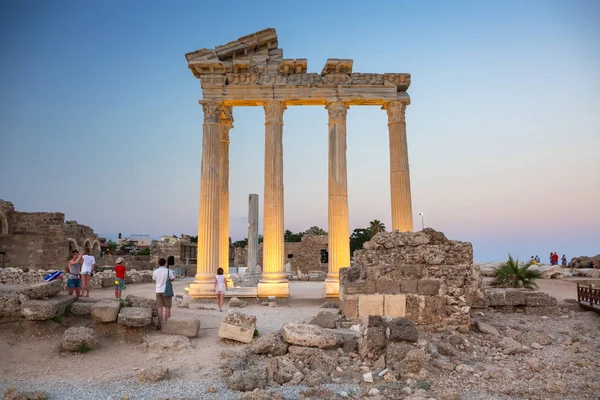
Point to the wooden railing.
(588, 296)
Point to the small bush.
(513, 275)
(424, 385)
(256, 333)
(83, 348)
(57, 319)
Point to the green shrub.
(256, 333)
(513, 275)
(83, 348)
(424, 385)
(57, 319)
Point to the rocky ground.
(522, 356)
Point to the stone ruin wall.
(422, 276)
(306, 254)
(40, 240)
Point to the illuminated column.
(339, 229)
(208, 218)
(226, 125)
(399, 172)
(273, 282)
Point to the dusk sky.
(99, 116)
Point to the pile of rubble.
(36, 302)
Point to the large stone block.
(82, 308)
(540, 299)
(75, 338)
(387, 286)
(310, 336)
(325, 319)
(350, 307)
(370, 304)
(39, 310)
(10, 305)
(136, 317)
(394, 305)
(429, 287)
(402, 330)
(434, 311)
(184, 326)
(372, 342)
(360, 287)
(106, 311)
(144, 302)
(408, 286)
(43, 289)
(239, 327)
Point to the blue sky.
(99, 116)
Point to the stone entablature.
(252, 69)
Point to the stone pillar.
(252, 233)
(399, 173)
(273, 282)
(339, 227)
(226, 125)
(208, 218)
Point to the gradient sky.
(99, 116)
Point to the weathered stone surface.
(136, 317)
(350, 307)
(153, 374)
(394, 305)
(74, 339)
(184, 326)
(402, 330)
(315, 358)
(413, 365)
(310, 336)
(106, 311)
(235, 302)
(10, 305)
(372, 342)
(46, 309)
(11, 393)
(281, 370)
(371, 304)
(487, 328)
(166, 343)
(82, 309)
(244, 381)
(137, 301)
(43, 289)
(271, 343)
(325, 319)
(428, 287)
(238, 326)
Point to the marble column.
(339, 228)
(208, 218)
(226, 125)
(252, 233)
(399, 172)
(273, 282)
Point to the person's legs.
(168, 304)
(159, 305)
(160, 313)
(168, 313)
(83, 283)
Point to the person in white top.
(220, 287)
(161, 276)
(87, 262)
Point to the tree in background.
(375, 227)
(260, 238)
(315, 230)
(112, 246)
(358, 238)
(291, 237)
(241, 243)
(144, 252)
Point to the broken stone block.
(136, 317)
(350, 307)
(81, 309)
(370, 304)
(188, 327)
(40, 310)
(234, 302)
(245, 381)
(78, 339)
(310, 336)
(144, 302)
(394, 305)
(43, 289)
(372, 342)
(402, 330)
(271, 343)
(540, 299)
(429, 287)
(10, 305)
(325, 319)
(239, 327)
(167, 343)
(281, 370)
(315, 358)
(106, 311)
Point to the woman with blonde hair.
(87, 268)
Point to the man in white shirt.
(161, 276)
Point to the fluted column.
(399, 172)
(226, 125)
(339, 228)
(273, 282)
(208, 218)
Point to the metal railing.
(588, 296)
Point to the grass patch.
(424, 385)
(256, 333)
(83, 348)
(57, 319)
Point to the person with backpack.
(163, 277)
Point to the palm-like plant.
(375, 227)
(511, 274)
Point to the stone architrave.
(208, 218)
(252, 233)
(226, 125)
(339, 228)
(399, 170)
(274, 281)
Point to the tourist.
(220, 287)
(119, 278)
(74, 279)
(555, 258)
(87, 269)
(537, 259)
(593, 264)
(563, 260)
(163, 276)
(551, 258)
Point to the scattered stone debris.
(239, 327)
(153, 374)
(235, 302)
(325, 319)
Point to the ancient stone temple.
(252, 71)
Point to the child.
(119, 278)
(220, 287)
(74, 269)
(161, 276)
(87, 269)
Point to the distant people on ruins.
(551, 258)
(74, 270)
(555, 259)
(220, 287)
(119, 278)
(593, 264)
(563, 260)
(87, 269)
(163, 277)
(537, 259)
(533, 261)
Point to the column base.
(203, 287)
(332, 287)
(229, 281)
(268, 288)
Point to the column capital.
(274, 111)
(227, 116)
(212, 111)
(396, 110)
(337, 111)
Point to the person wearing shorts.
(160, 276)
(74, 269)
(87, 268)
(119, 278)
(220, 287)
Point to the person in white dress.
(220, 287)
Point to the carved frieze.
(304, 79)
(212, 80)
(270, 79)
(212, 111)
(337, 79)
(400, 80)
(243, 78)
(367, 79)
(274, 111)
